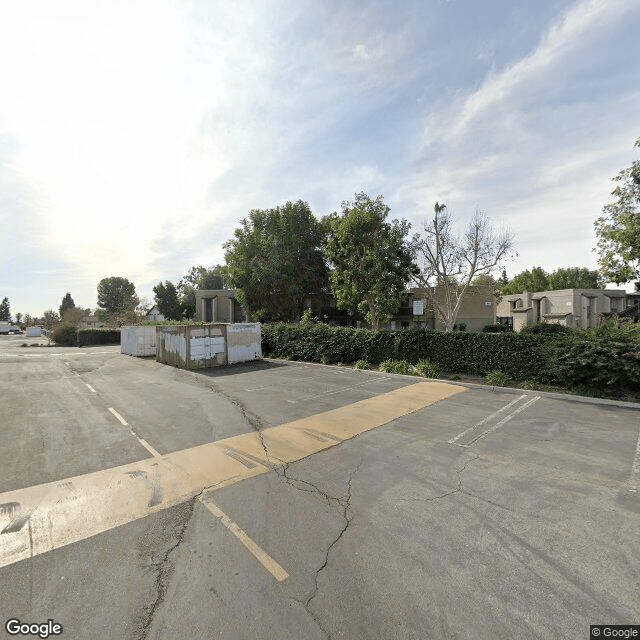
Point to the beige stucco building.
(578, 308)
(477, 310)
(218, 305)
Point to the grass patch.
(427, 368)
(497, 379)
(396, 366)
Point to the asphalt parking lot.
(287, 500)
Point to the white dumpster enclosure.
(208, 345)
(244, 342)
(34, 332)
(138, 340)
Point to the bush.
(606, 357)
(547, 328)
(495, 328)
(98, 336)
(529, 384)
(427, 368)
(363, 365)
(520, 357)
(396, 366)
(455, 376)
(65, 335)
(308, 318)
(497, 379)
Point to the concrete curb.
(633, 406)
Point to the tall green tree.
(563, 278)
(535, 280)
(575, 278)
(486, 280)
(166, 297)
(5, 311)
(275, 261)
(618, 229)
(371, 264)
(67, 303)
(18, 318)
(116, 296)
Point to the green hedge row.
(521, 357)
(98, 336)
(66, 335)
(608, 358)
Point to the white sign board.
(418, 307)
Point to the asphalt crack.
(459, 489)
(248, 416)
(342, 504)
(163, 574)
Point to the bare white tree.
(448, 263)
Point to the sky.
(136, 134)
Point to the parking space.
(286, 500)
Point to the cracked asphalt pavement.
(484, 514)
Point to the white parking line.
(329, 393)
(262, 556)
(117, 415)
(90, 387)
(142, 441)
(487, 419)
(504, 420)
(635, 469)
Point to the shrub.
(602, 358)
(396, 366)
(519, 356)
(589, 391)
(495, 328)
(98, 336)
(308, 318)
(455, 376)
(427, 368)
(529, 384)
(547, 328)
(363, 365)
(497, 379)
(65, 335)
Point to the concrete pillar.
(203, 309)
(214, 310)
(231, 320)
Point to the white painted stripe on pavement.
(635, 469)
(117, 415)
(505, 419)
(262, 556)
(90, 387)
(487, 419)
(146, 445)
(142, 441)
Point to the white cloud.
(585, 21)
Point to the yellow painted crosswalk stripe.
(43, 517)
